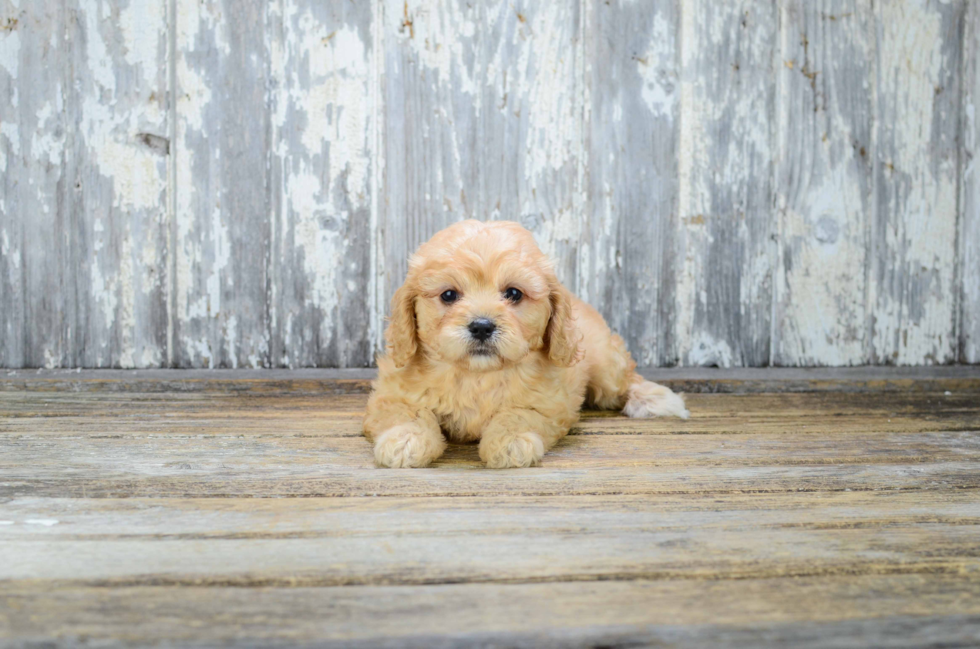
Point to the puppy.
(485, 344)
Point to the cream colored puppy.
(485, 344)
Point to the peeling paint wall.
(239, 183)
(968, 266)
(824, 183)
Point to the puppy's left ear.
(562, 338)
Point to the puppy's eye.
(513, 294)
(448, 297)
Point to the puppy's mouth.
(483, 349)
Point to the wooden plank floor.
(822, 508)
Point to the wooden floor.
(794, 508)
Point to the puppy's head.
(481, 296)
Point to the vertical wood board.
(117, 193)
(319, 263)
(36, 284)
(627, 252)
(223, 205)
(969, 226)
(914, 225)
(825, 180)
(483, 119)
(724, 241)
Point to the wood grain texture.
(309, 414)
(969, 223)
(483, 119)
(228, 184)
(727, 106)
(343, 470)
(331, 542)
(209, 445)
(916, 175)
(36, 229)
(118, 183)
(627, 253)
(824, 183)
(890, 610)
(320, 262)
(255, 515)
(223, 194)
(691, 380)
(426, 174)
(93, 519)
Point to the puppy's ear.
(401, 334)
(562, 337)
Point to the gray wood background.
(238, 183)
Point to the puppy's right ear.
(401, 334)
(563, 338)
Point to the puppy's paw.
(512, 451)
(648, 399)
(408, 446)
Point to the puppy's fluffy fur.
(519, 391)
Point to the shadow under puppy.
(485, 344)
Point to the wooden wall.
(239, 183)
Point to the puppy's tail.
(647, 399)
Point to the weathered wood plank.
(485, 556)
(469, 480)
(502, 540)
(118, 196)
(137, 415)
(322, 182)
(727, 102)
(37, 294)
(334, 424)
(628, 253)
(325, 382)
(192, 464)
(531, 124)
(223, 195)
(429, 96)
(307, 456)
(482, 120)
(824, 182)
(877, 380)
(878, 610)
(149, 519)
(11, 289)
(969, 221)
(914, 227)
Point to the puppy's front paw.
(512, 451)
(408, 446)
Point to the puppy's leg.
(519, 438)
(403, 436)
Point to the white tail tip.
(648, 399)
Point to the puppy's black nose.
(482, 328)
